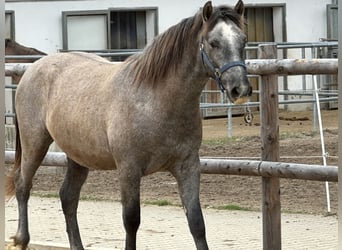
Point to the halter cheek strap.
(218, 71)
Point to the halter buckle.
(217, 73)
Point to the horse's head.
(222, 46)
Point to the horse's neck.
(191, 76)
(181, 92)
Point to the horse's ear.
(239, 7)
(207, 10)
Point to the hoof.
(12, 246)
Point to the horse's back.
(52, 66)
(63, 75)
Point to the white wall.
(39, 24)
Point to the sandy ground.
(166, 228)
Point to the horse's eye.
(214, 44)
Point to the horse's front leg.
(187, 175)
(130, 199)
(70, 194)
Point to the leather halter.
(218, 71)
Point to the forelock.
(224, 13)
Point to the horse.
(14, 48)
(138, 117)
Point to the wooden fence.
(268, 67)
(231, 167)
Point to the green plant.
(232, 207)
(159, 203)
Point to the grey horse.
(138, 117)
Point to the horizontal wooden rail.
(254, 67)
(269, 169)
(18, 69)
(57, 159)
(232, 167)
(292, 66)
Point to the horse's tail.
(10, 186)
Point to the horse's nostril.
(235, 92)
(241, 91)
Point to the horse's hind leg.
(187, 175)
(70, 194)
(32, 153)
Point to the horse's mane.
(166, 51)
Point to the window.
(265, 24)
(131, 29)
(87, 32)
(114, 29)
(332, 23)
(260, 24)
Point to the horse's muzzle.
(240, 91)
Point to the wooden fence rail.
(254, 67)
(292, 66)
(16, 69)
(231, 167)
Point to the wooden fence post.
(270, 152)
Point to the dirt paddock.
(298, 143)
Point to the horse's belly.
(80, 132)
(98, 161)
(89, 151)
(93, 160)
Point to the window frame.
(107, 12)
(137, 9)
(332, 26)
(12, 24)
(66, 14)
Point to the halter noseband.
(218, 71)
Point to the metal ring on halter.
(248, 116)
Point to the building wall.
(39, 24)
